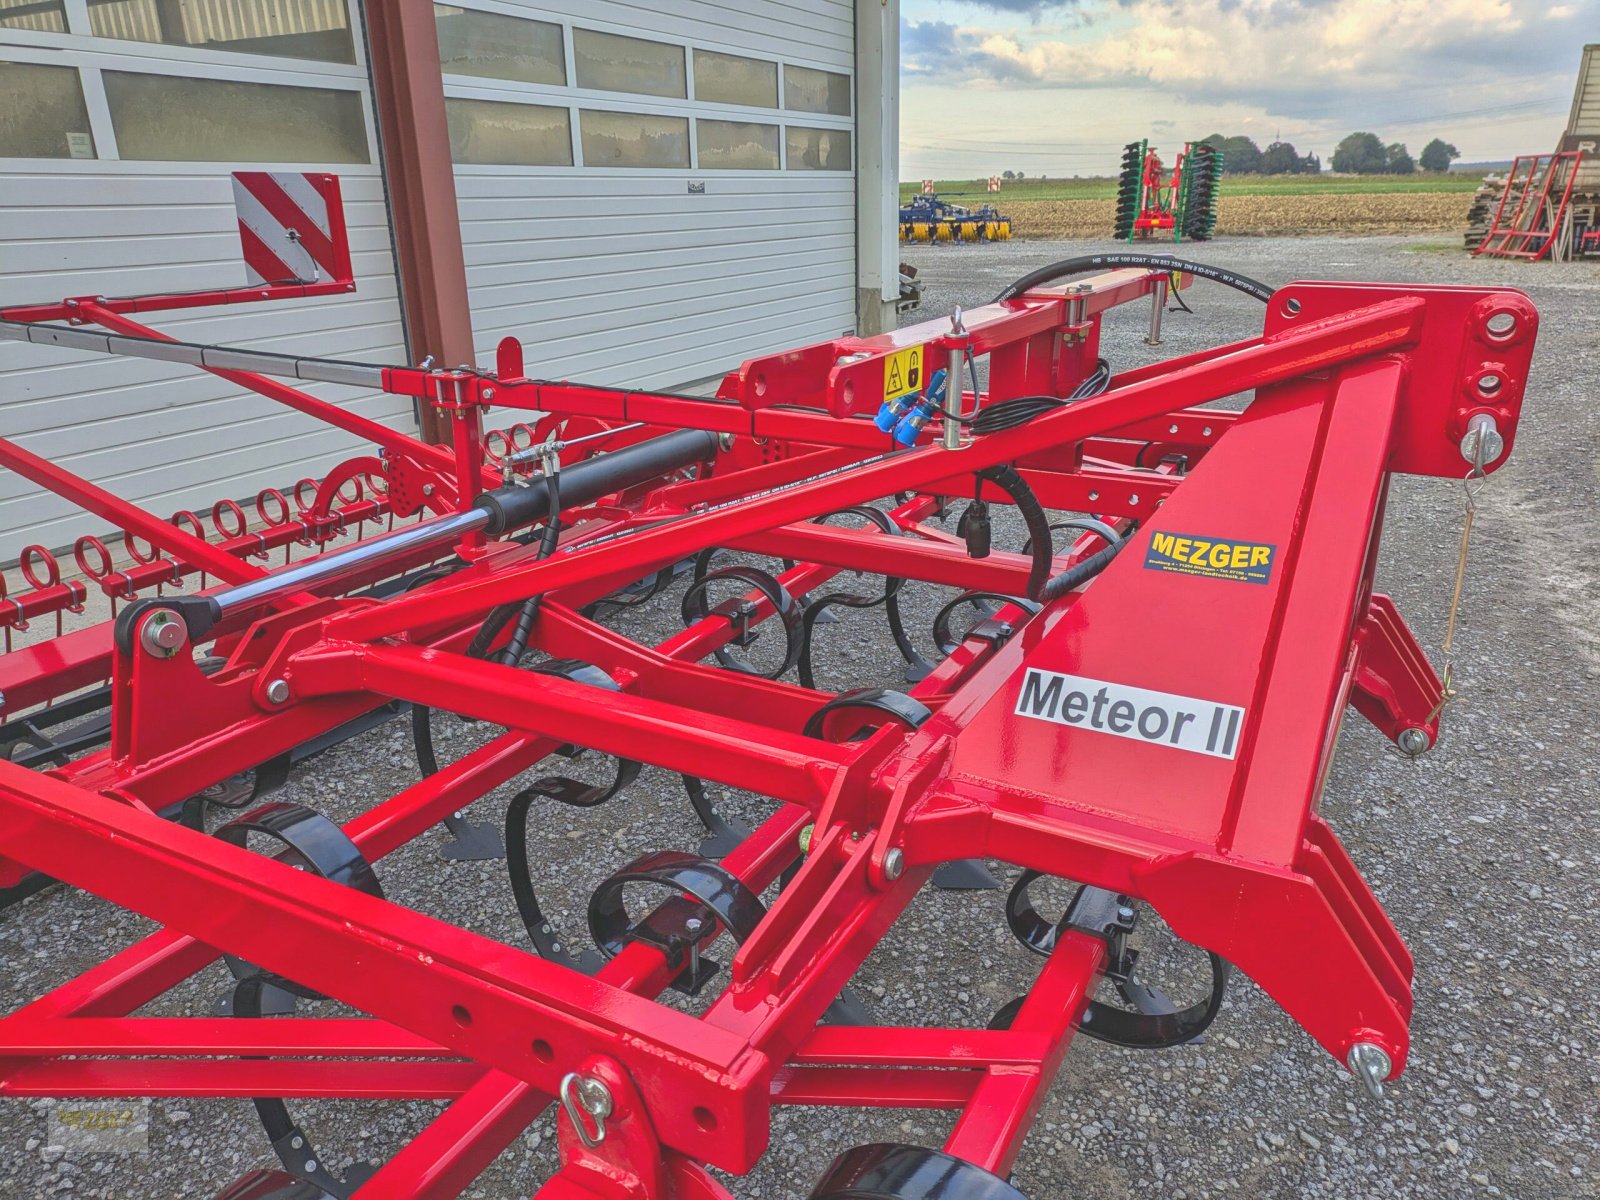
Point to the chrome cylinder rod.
(341, 564)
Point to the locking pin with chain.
(1480, 445)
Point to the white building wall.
(170, 437)
(626, 276)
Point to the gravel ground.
(1483, 852)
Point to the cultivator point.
(926, 218)
(1143, 698)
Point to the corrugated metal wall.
(1585, 119)
(170, 437)
(625, 276)
(1583, 128)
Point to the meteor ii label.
(1215, 558)
(1159, 718)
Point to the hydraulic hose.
(1040, 586)
(1121, 258)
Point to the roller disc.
(887, 1171)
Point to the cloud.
(986, 57)
(1359, 60)
(1034, 10)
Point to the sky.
(1057, 87)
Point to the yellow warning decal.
(1215, 558)
(902, 373)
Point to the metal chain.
(1471, 486)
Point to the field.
(1249, 205)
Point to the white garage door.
(114, 179)
(650, 194)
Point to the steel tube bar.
(406, 1080)
(95, 499)
(340, 418)
(1382, 326)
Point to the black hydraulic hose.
(1005, 478)
(1040, 586)
(512, 652)
(1080, 573)
(1124, 258)
(1019, 410)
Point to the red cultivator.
(1149, 712)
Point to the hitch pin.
(1480, 445)
(586, 1098)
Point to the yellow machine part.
(905, 233)
(943, 232)
(991, 230)
(969, 231)
(1004, 231)
(920, 232)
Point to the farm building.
(644, 194)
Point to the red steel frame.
(1352, 383)
(1525, 233)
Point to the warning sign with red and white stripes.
(994, 183)
(291, 227)
(927, 187)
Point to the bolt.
(805, 838)
(692, 927)
(594, 1097)
(163, 634)
(894, 864)
(1414, 741)
(488, 393)
(1125, 914)
(278, 691)
(1370, 1064)
(725, 441)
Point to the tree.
(1008, 175)
(1240, 155)
(1437, 155)
(1398, 160)
(1281, 158)
(1311, 165)
(1360, 154)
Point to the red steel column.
(403, 47)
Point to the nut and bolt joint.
(894, 864)
(163, 634)
(1414, 741)
(278, 691)
(805, 838)
(594, 1097)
